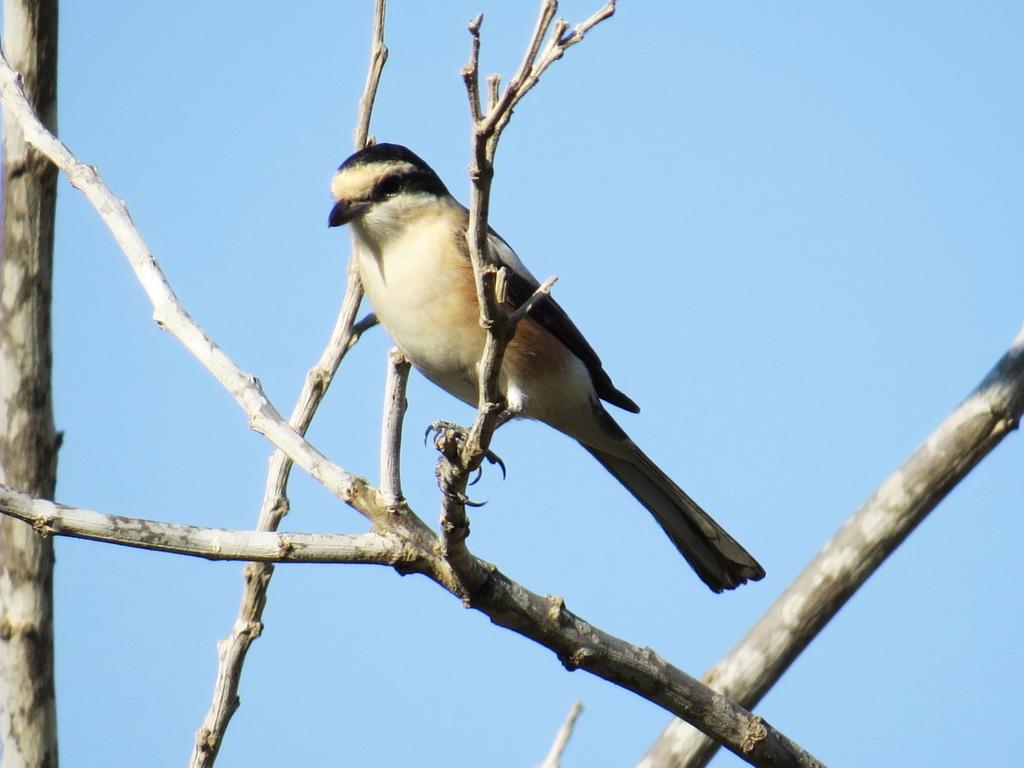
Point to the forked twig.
(499, 324)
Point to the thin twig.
(557, 45)
(469, 72)
(378, 57)
(499, 324)
(554, 757)
(543, 290)
(864, 541)
(263, 547)
(493, 91)
(365, 323)
(516, 88)
(233, 649)
(391, 431)
(486, 133)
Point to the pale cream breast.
(424, 296)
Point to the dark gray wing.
(547, 312)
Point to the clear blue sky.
(792, 230)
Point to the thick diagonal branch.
(846, 561)
(404, 542)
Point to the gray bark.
(28, 441)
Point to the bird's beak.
(345, 210)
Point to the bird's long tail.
(716, 556)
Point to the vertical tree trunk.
(28, 442)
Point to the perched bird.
(410, 242)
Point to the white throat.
(390, 219)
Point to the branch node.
(493, 91)
(577, 658)
(256, 575)
(556, 610)
(558, 36)
(501, 285)
(542, 292)
(251, 629)
(285, 547)
(280, 507)
(318, 379)
(756, 731)
(650, 656)
(44, 526)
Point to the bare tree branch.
(580, 645)
(530, 303)
(391, 431)
(233, 649)
(28, 439)
(531, 68)
(171, 316)
(963, 439)
(470, 73)
(543, 619)
(408, 545)
(50, 519)
(248, 625)
(460, 459)
(378, 57)
(554, 757)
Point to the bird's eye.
(389, 186)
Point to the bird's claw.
(494, 458)
(463, 499)
(449, 439)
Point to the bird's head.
(380, 184)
